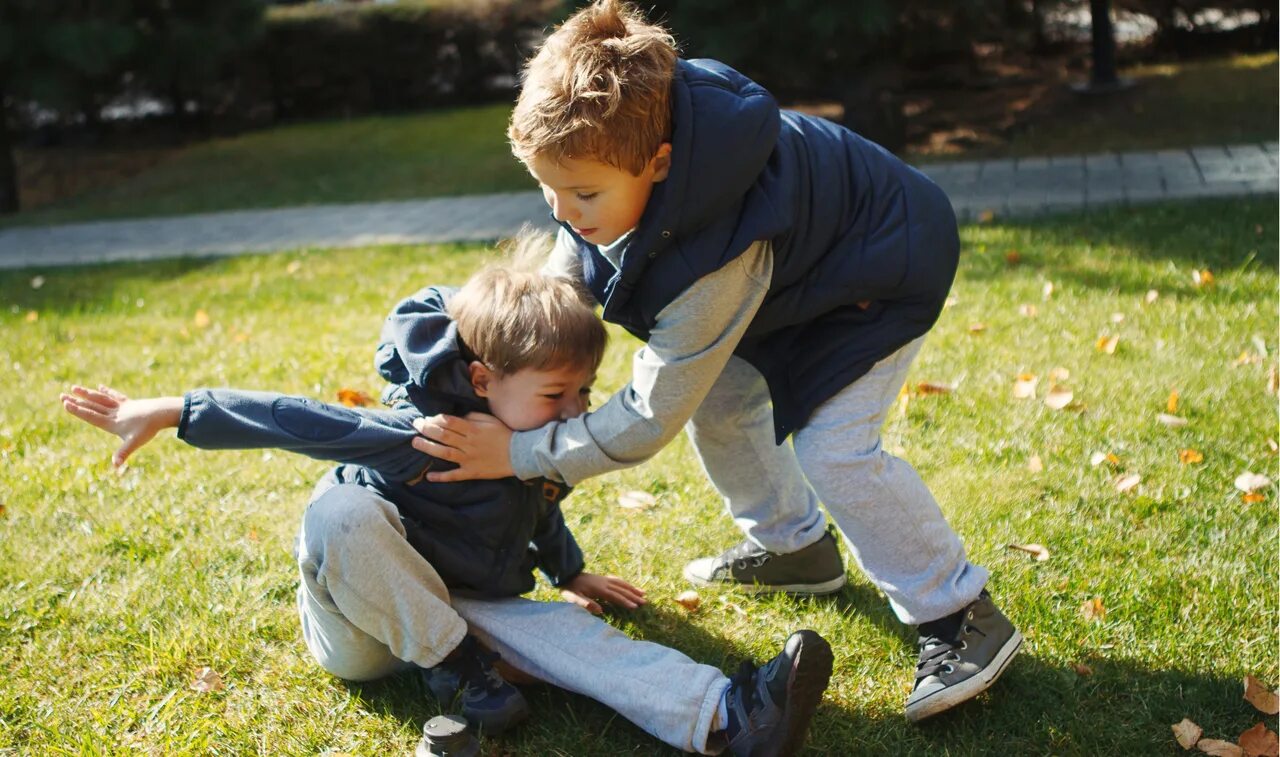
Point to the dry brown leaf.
(1151, 296)
(1187, 733)
(1035, 550)
(1013, 257)
(1171, 405)
(1082, 670)
(1127, 481)
(1253, 497)
(1107, 344)
(201, 320)
(293, 267)
(1028, 311)
(207, 679)
(1246, 358)
(1024, 387)
(1172, 421)
(1098, 458)
(733, 606)
(1058, 397)
(2, 510)
(1260, 741)
(1047, 290)
(1273, 446)
(1273, 379)
(1092, 609)
(926, 387)
(1190, 456)
(1059, 374)
(689, 600)
(986, 216)
(637, 500)
(1202, 278)
(1248, 482)
(1219, 748)
(32, 316)
(977, 328)
(1117, 317)
(1035, 464)
(354, 398)
(1263, 699)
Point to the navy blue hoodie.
(482, 537)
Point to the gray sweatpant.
(371, 605)
(890, 521)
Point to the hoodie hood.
(419, 349)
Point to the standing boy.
(783, 272)
(400, 572)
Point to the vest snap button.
(653, 254)
(666, 234)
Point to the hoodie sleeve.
(556, 551)
(376, 439)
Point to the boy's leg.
(659, 689)
(901, 540)
(370, 605)
(765, 491)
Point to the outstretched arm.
(136, 422)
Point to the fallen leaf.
(1035, 550)
(977, 328)
(1127, 481)
(1024, 387)
(1172, 421)
(1013, 257)
(1058, 375)
(1273, 379)
(1117, 317)
(637, 500)
(1082, 670)
(689, 600)
(1107, 344)
(733, 606)
(1058, 397)
(32, 316)
(207, 679)
(1263, 699)
(201, 320)
(1247, 482)
(1253, 497)
(293, 267)
(1027, 310)
(925, 387)
(1098, 458)
(1092, 609)
(37, 282)
(1219, 748)
(1172, 404)
(1187, 733)
(1202, 278)
(1260, 741)
(1035, 464)
(1190, 457)
(986, 216)
(1151, 296)
(952, 301)
(1260, 345)
(1047, 290)
(1246, 358)
(2, 510)
(355, 398)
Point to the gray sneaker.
(962, 661)
(816, 569)
(770, 707)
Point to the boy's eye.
(555, 396)
(587, 196)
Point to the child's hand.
(588, 587)
(136, 422)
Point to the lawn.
(464, 151)
(117, 589)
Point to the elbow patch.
(312, 421)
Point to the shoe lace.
(476, 671)
(745, 553)
(937, 653)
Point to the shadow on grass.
(100, 287)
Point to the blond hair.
(599, 88)
(512, 316)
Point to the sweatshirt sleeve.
(231, 419)
(688, 347)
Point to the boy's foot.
(484, 697)
(770, 706)
(960, 657)
(815, 569)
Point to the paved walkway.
(1006, 188)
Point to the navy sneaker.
(484, 697)
(770, 707)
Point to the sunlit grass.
(116, 589)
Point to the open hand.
(136, 422)
(586, 588)
(479, 443)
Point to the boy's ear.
(480, 377)
(662, 162)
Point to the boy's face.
(601, 202)
(532, 398)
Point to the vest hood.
(419, 348)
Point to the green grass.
(116, 589)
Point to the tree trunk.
(1104, 45)
(8, 167)
(873, 104)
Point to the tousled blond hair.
(512, 316)
(599, 88)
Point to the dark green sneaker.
(960, 657)
(816, 569)
(770, 707)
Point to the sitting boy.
(399, 572)
(783, 272)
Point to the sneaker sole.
(969, 688)
(823, 587)
(809, 678)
